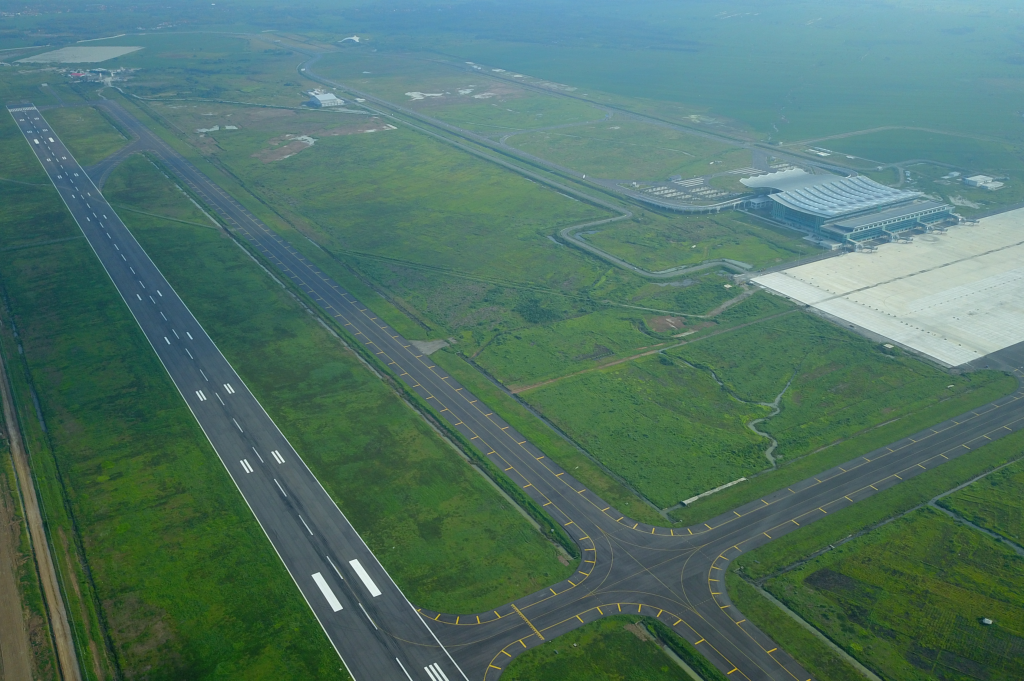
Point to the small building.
(322, 100)
(983, 182)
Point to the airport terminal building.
(850, 210)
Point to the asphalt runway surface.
(374, 628)
(676, 575)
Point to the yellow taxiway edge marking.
(599, 610)
(741, 622)
(497, 615)
(708, 526)
(698, 642)
(509, 654)
(605, 509)
(478, 619)
(438, 617)
(772, 651)
(767, 535)
(457, 619)
(677, 623)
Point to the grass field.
(779, 554)
(839, 383)
(907, 600)
(449, 540)
(658, 242)
(34, 615)
(995, 503)
(148, 502)
(583, 468)
(86, 133)
(532, 354)
(624, 149)
(610, 649)
(644, 418)
(668, 429)
(468, 98)
(209, 66)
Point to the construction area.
(955, 296)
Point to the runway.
(375, 630)
(675, 574)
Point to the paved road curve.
(374, 628)
(676, 575)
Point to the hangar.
(847, 209)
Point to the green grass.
(511, 107)
(995, 503)
(780, 553)
(907, 600)
(583, 468)
(812, 653)
(410, 198)
(670, 431)
(657, 242)
(449, 540)
(34, 615)
(624, 149)
(773, 557)
(893, 146)
(87, 134)
(148, 501)
(839, 383)
(528, 355)
(605, 650)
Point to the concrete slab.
(78, 55)
(955, 297)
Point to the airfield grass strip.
(554, 529)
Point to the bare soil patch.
(287, 145)
(666, 324)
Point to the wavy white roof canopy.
(827, 196)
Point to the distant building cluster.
(320, 99)
(847, 210)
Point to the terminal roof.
(828, 196)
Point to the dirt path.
(15, 653)
(66, 656)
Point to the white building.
(322, 100)
(983, 182)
